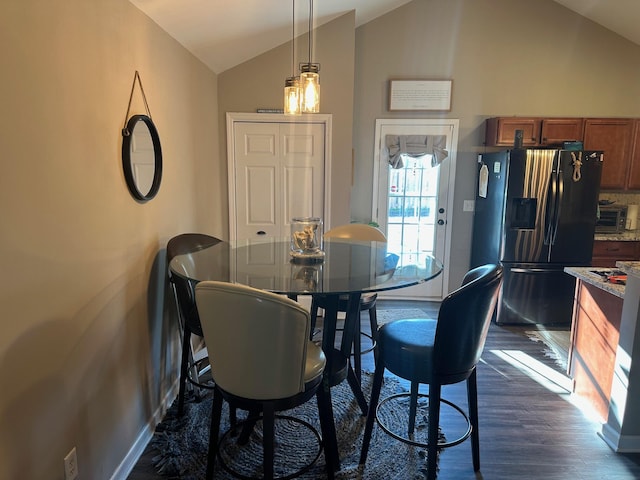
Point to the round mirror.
(141, 157)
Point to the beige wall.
(506, 57)
(259, 83)
(83, 355)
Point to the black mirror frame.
(126, 158)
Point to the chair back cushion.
(463, 323)
(257, 340)
(357, 231)
(189, 242)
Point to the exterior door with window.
(413, 195)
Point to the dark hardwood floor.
(529, 428)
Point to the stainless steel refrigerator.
(535, 213)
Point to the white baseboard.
(620, 443)
(144, 437)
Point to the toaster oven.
(611, 218)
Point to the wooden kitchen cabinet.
(595, 332)
(633, 179)
(614, 136)
(618, 138)
(537, 131)
(501, 131)
(607, 252)
(556, 131)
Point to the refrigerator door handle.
(550, 209)
(529, 270)
(558, 209)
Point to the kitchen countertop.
(586, 275)
(625, 236)
(632, 268)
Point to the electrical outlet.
(468, 206)
(71, 465)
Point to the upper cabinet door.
(613, 136)
(556, 131)
(501, 131)
(634, 168)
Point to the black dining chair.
(438, 352)
(354, 231)
(194, 361)
(263, 362)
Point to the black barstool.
(194, 362)
(354, 231)
(438, 352)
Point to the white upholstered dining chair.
(261, 361)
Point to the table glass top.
(348, 266)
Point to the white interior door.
(412, 203)
(258, 180)
(277, 171)
(302, 167)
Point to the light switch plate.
(468, 206)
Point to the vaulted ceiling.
(224, 33)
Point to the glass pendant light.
(310, 85)
(292, 90)
(309, 77)
(292, 96)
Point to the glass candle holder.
(306, 239)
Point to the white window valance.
(414, 146)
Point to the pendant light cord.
(310, 27)
(293, 39)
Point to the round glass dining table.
(348, 267)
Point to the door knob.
(441, 210)
(441, 222)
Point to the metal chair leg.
(434, 422)
(371, 415)
(472, 396)
(184, 368)
(214, 434)
(413, 407)
(268, 420)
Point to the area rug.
(387, 315)
(181, 443)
